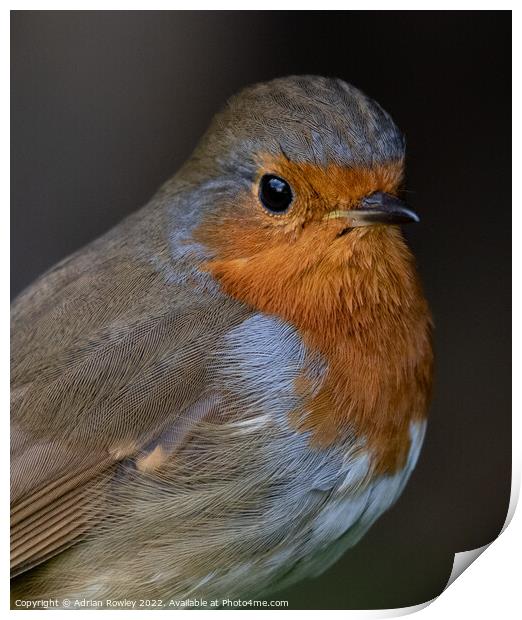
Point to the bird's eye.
(275, 193)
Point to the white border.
(490, 586)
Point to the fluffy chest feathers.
(306, 503)
(359, 307)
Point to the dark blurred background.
(107, 105)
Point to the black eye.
(275, 193)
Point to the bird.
(220, 395)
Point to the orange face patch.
(319, 189)
(353, 297)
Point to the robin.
(220, 395)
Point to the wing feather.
(107, 353)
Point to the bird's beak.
(378, 208)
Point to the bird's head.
(298, 200)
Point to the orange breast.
(355, 299)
